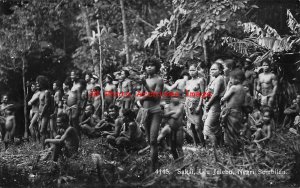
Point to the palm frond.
(292, 23)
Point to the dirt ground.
(274, 166)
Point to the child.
(131, 136)
(290, 114)
(67, 141)
(174, 125)
(264, 133)
(232, 115)
(10, 126)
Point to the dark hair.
(43, 81)
(267, 109)
(128, 113)
(97, 88)
(82, 82)
(266, 61)
(32, 83)
(92, 106)
(184, 73)
(88, 73)
(58, 83)
(229, 63)
(152, 61)
(238, 74)
(77, 73)
(220, 67)
(68, 82)
(115, 107)
(126, 72)
(64, 117)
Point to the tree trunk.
(25, 97)
(100, 71)
(84, 12)
(125, 32)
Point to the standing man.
(150, 111)
(125, 87)
(267, 85)
(73, 100)
(42, 84)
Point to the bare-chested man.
(267, 85)
(73, 101)
(109, 91)
(4, 104)
(125, 90)
(67, 141)
(150, 97)
(44, 105)
(34, 112)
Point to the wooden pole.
(100, 71)
(25, 97)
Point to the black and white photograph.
(150, 93)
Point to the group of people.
(231, 106)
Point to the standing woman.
(194, 89)
(214, 93)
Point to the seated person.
(67, 141)
(10, 126)
(297, 123)
(107, 124)
(256, 116)
(290, 114)
(264, 131)
(174, 126)
(130, 135)
(89, 122)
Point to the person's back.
(237, 100)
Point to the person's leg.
(43, 130)
(111, 140)
(52, 124)
(179, 143)
(2, 129)
(75, 120)
(199, 131)
(56, 151)
(122, 143)
(194, 134)
(155, 120)
(173, 144)
(166, 130)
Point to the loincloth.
(143, 114)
